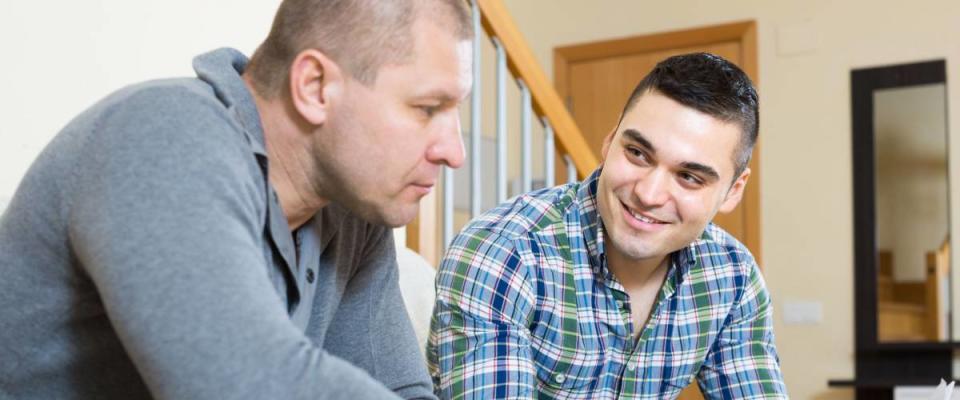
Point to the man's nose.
(449, 148)
(653, 189)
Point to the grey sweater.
(145, 255)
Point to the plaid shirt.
(526, 307)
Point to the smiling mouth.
(641, 217)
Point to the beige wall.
(805, 129)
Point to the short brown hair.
(712, 85)
(360, 35)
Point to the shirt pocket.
(570, 370)
(682, 357)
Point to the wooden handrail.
(497, 23)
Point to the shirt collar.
(591, 225)
(222, 69)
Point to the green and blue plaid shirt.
(526, 308)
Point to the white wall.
(60, 57)
(806, 189)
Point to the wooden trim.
(498, 23)
(751, 198)
(744, 32)
(658, 41)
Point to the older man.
(228, 236)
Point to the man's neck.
(291, 166)
(634, 274)
(642, 280)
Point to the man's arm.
(479, 346)
(164, 220)
(743, 362)
(371, 328)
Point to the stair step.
(901, 307)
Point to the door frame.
(744, 32)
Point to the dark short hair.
(360, 35)
(712, 85)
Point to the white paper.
(944, 391)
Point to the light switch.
(802, 312)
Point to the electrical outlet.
(802, 312)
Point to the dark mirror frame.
(882, 364)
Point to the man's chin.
(398, 217)
(637, 248)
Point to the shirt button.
(310, 276)
(631, 367)
(619, 304)
(559, 378)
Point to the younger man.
(619, 286)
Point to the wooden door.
(595, 79)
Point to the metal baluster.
(476, 135)
(526, 148)
(571, 169)
(549, 169)
(501, 121)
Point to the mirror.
(910, 134)
(910, 200)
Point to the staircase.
(911, 311)
(513, 63)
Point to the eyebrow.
(437, 94)
(703, 169)
(635, 136)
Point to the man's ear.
(735, 193)
(315, 82)
(606, 144)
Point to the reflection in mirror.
(912, 214)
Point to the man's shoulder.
(177, 117)
(527, 213)
(166, 88)
(717, 247)
(171, 98)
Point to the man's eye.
(429, 111)
(638, 154)
(691, 178)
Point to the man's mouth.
(423, 188)
(642, 217)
